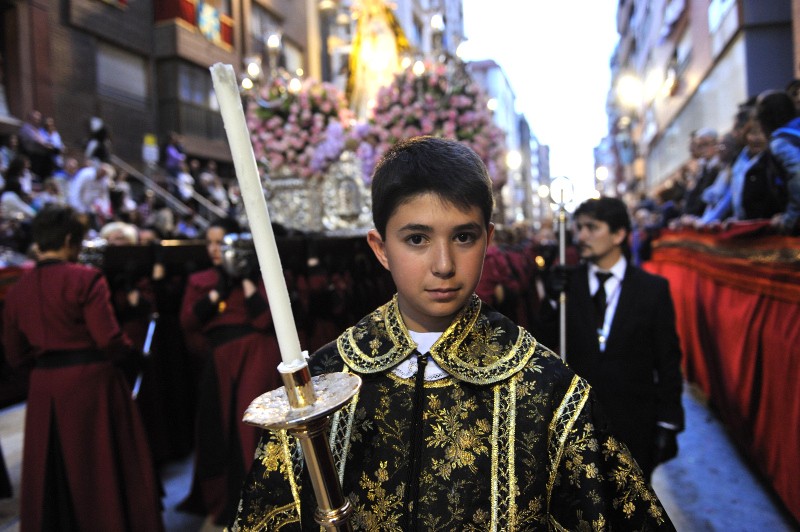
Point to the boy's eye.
(466, 238)
(415, 239)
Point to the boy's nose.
(443, 263)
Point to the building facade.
(142, 67)
(681, 65)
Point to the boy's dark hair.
(419, 165)
(53, 223)
(774, 109)
(612, 211)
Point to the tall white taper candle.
(244, 161)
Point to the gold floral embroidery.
(452, 431)
(519, 453)
(384, 510)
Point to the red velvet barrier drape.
(737, 301)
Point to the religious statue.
(378, 44)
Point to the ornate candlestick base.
(303, 407)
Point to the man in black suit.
(621, 335)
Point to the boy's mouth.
(442, 293)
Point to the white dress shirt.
(613, 287)
(408, 368)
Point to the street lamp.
(630, 91)
(437, 29)
(601, 175)
(513, 160)
(562, 191)
(256, 76)
(253, 70)
(543, 191)
(273, 52)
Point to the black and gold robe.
(510, 440)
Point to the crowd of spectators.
(38, 168)
(750, 172)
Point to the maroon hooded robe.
(86, 464)
(243, 365)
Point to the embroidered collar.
(478, 347)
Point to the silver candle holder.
(303, 407)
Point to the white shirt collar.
(617, 270)
(408, 368)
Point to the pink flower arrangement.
(286, 127)
(303, 132)
(358, 138)
(438, 104)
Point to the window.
(198, 109)
(194, 85)
(121, 75)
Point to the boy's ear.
(490, 233)
(378, 247)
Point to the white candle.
(230, 105)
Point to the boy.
(463, 421)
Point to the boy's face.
(434, 251)
(597, 243)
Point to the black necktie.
(599, 299)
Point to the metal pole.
(562, 297)
(148, 343)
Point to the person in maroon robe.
(497, 284)
(146, 298)
(86, 464)
(227, 314)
